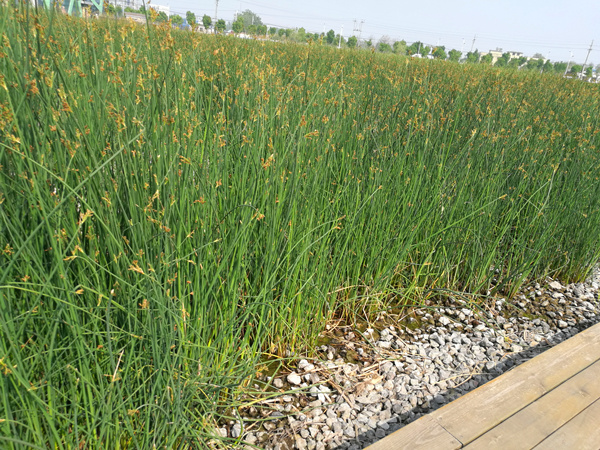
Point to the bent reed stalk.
(173, 205)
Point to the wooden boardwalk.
(549, 402)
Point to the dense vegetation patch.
(172, 205)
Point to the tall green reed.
(173, 205)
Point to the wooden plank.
(474, 414)
(423, 433)
(581, 433)
(533, 424)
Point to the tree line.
(251, 24)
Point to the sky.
(554, 28)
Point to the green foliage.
(560, 67)
(221, 26)
(486, 59)
(418, 48)
(535, 64)
(300, 35)
(384, 47)
(503, 60)
(262, 30)
(250, 19)
(238, 25)
(473, 57)
(439, 52)
(330, 37)
(206, 21)
(575, 69)
(400, 48)
(352, 41)
(164, 222)
(162, 17)
(454, 55)
(190, 18)
(176, 20)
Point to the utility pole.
(473, 44)
(358, 29)
(216, 15)
(567, 69)
(586, 58)
(340, 41)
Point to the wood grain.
(531, 425)
(423, 433)
(581, 433)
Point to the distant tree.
(262, 30)
(560, 67)
(301, 35)
(238, 25)
(221, 26)
(162, 17)
(385, 39)
(439, 52)
(281, 32)
(513, 63)
(503, 60)
(330, 37)
(176, 19)
(129, 9)
(400, 47)
(548, 67)
(369, 43)
(352, 41)
(414, 48)
(473, 57)
(288, 32)
(425, 50)
(249, 19)
(535, 64)
(575, 69)
(206, 21)
(190, 18)
(252, 29)
(384, 47)
(537, 56)
(272, 31)
(522, 60)
(588, 71)
(486, 59)
(454, 55)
